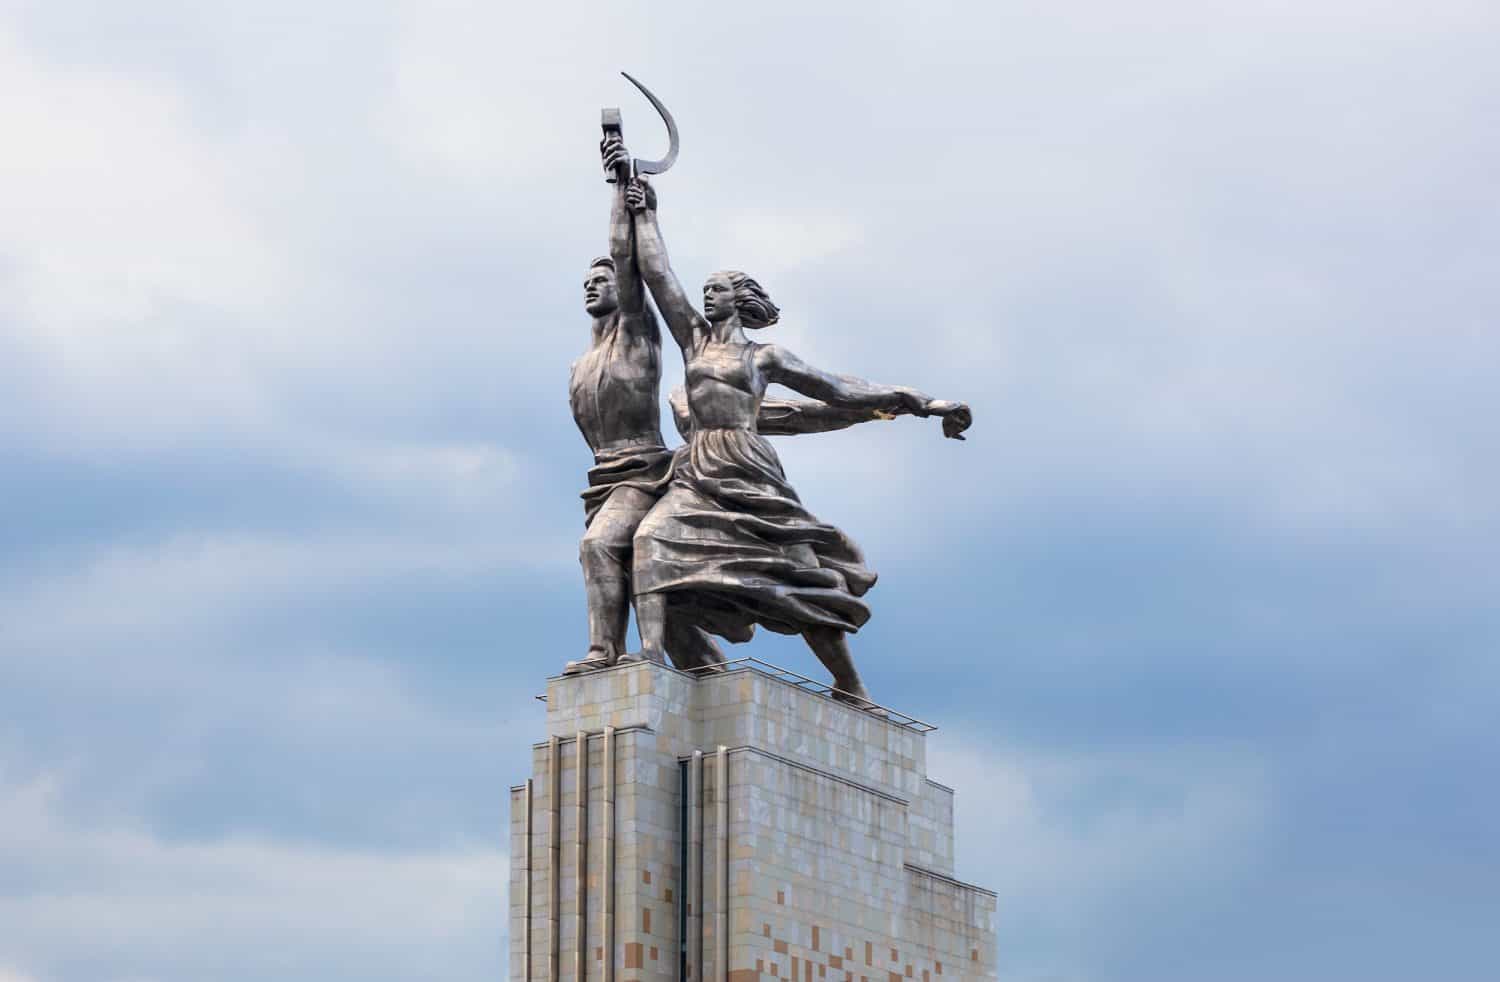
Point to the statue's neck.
(603, 323)
(727, 330)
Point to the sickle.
(657, 166)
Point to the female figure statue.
(730, 544)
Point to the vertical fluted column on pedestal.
(694, 871)
(526, 888)
(721, 916)
(580, 853)
(554, 858)
(608, 905)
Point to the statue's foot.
(647, 653)
(700, 666)
(709, 668)
(591, 662)
(858, 697)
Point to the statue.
(614, 392)
(711, 539)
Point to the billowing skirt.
(731, 542)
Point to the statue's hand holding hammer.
(616, 158)
(640, 196)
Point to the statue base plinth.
(734, 827)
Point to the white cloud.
(1069, 839)
(189, 582)
(115, 205)
(131, 258)
(463, 475)
(769, 242)
(132, 904)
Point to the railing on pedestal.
(764, 668)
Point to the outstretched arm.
(651, 252)
(790, 417)
(784, 417)
(848, 392)
(622, 236)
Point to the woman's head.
(731, 292)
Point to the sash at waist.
(628, 448)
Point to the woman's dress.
(730, 540)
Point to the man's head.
(599, 294)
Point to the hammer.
(609, 122)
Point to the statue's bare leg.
(832, 648)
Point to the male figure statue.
(614, 391)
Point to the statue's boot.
(651, 619)
(591, 662)
(692, 648)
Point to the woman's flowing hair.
(752, 302)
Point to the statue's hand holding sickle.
(618, 164)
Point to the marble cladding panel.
(819, 887)
(749, 709)
(646, 921)
(944, 915)
(647, 859)
(930, 820)
(627, 696)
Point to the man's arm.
(622, 238)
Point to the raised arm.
(651, 252)
(632, 297)
(850, 393)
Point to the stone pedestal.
(736, 827)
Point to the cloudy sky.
(1206, 606)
